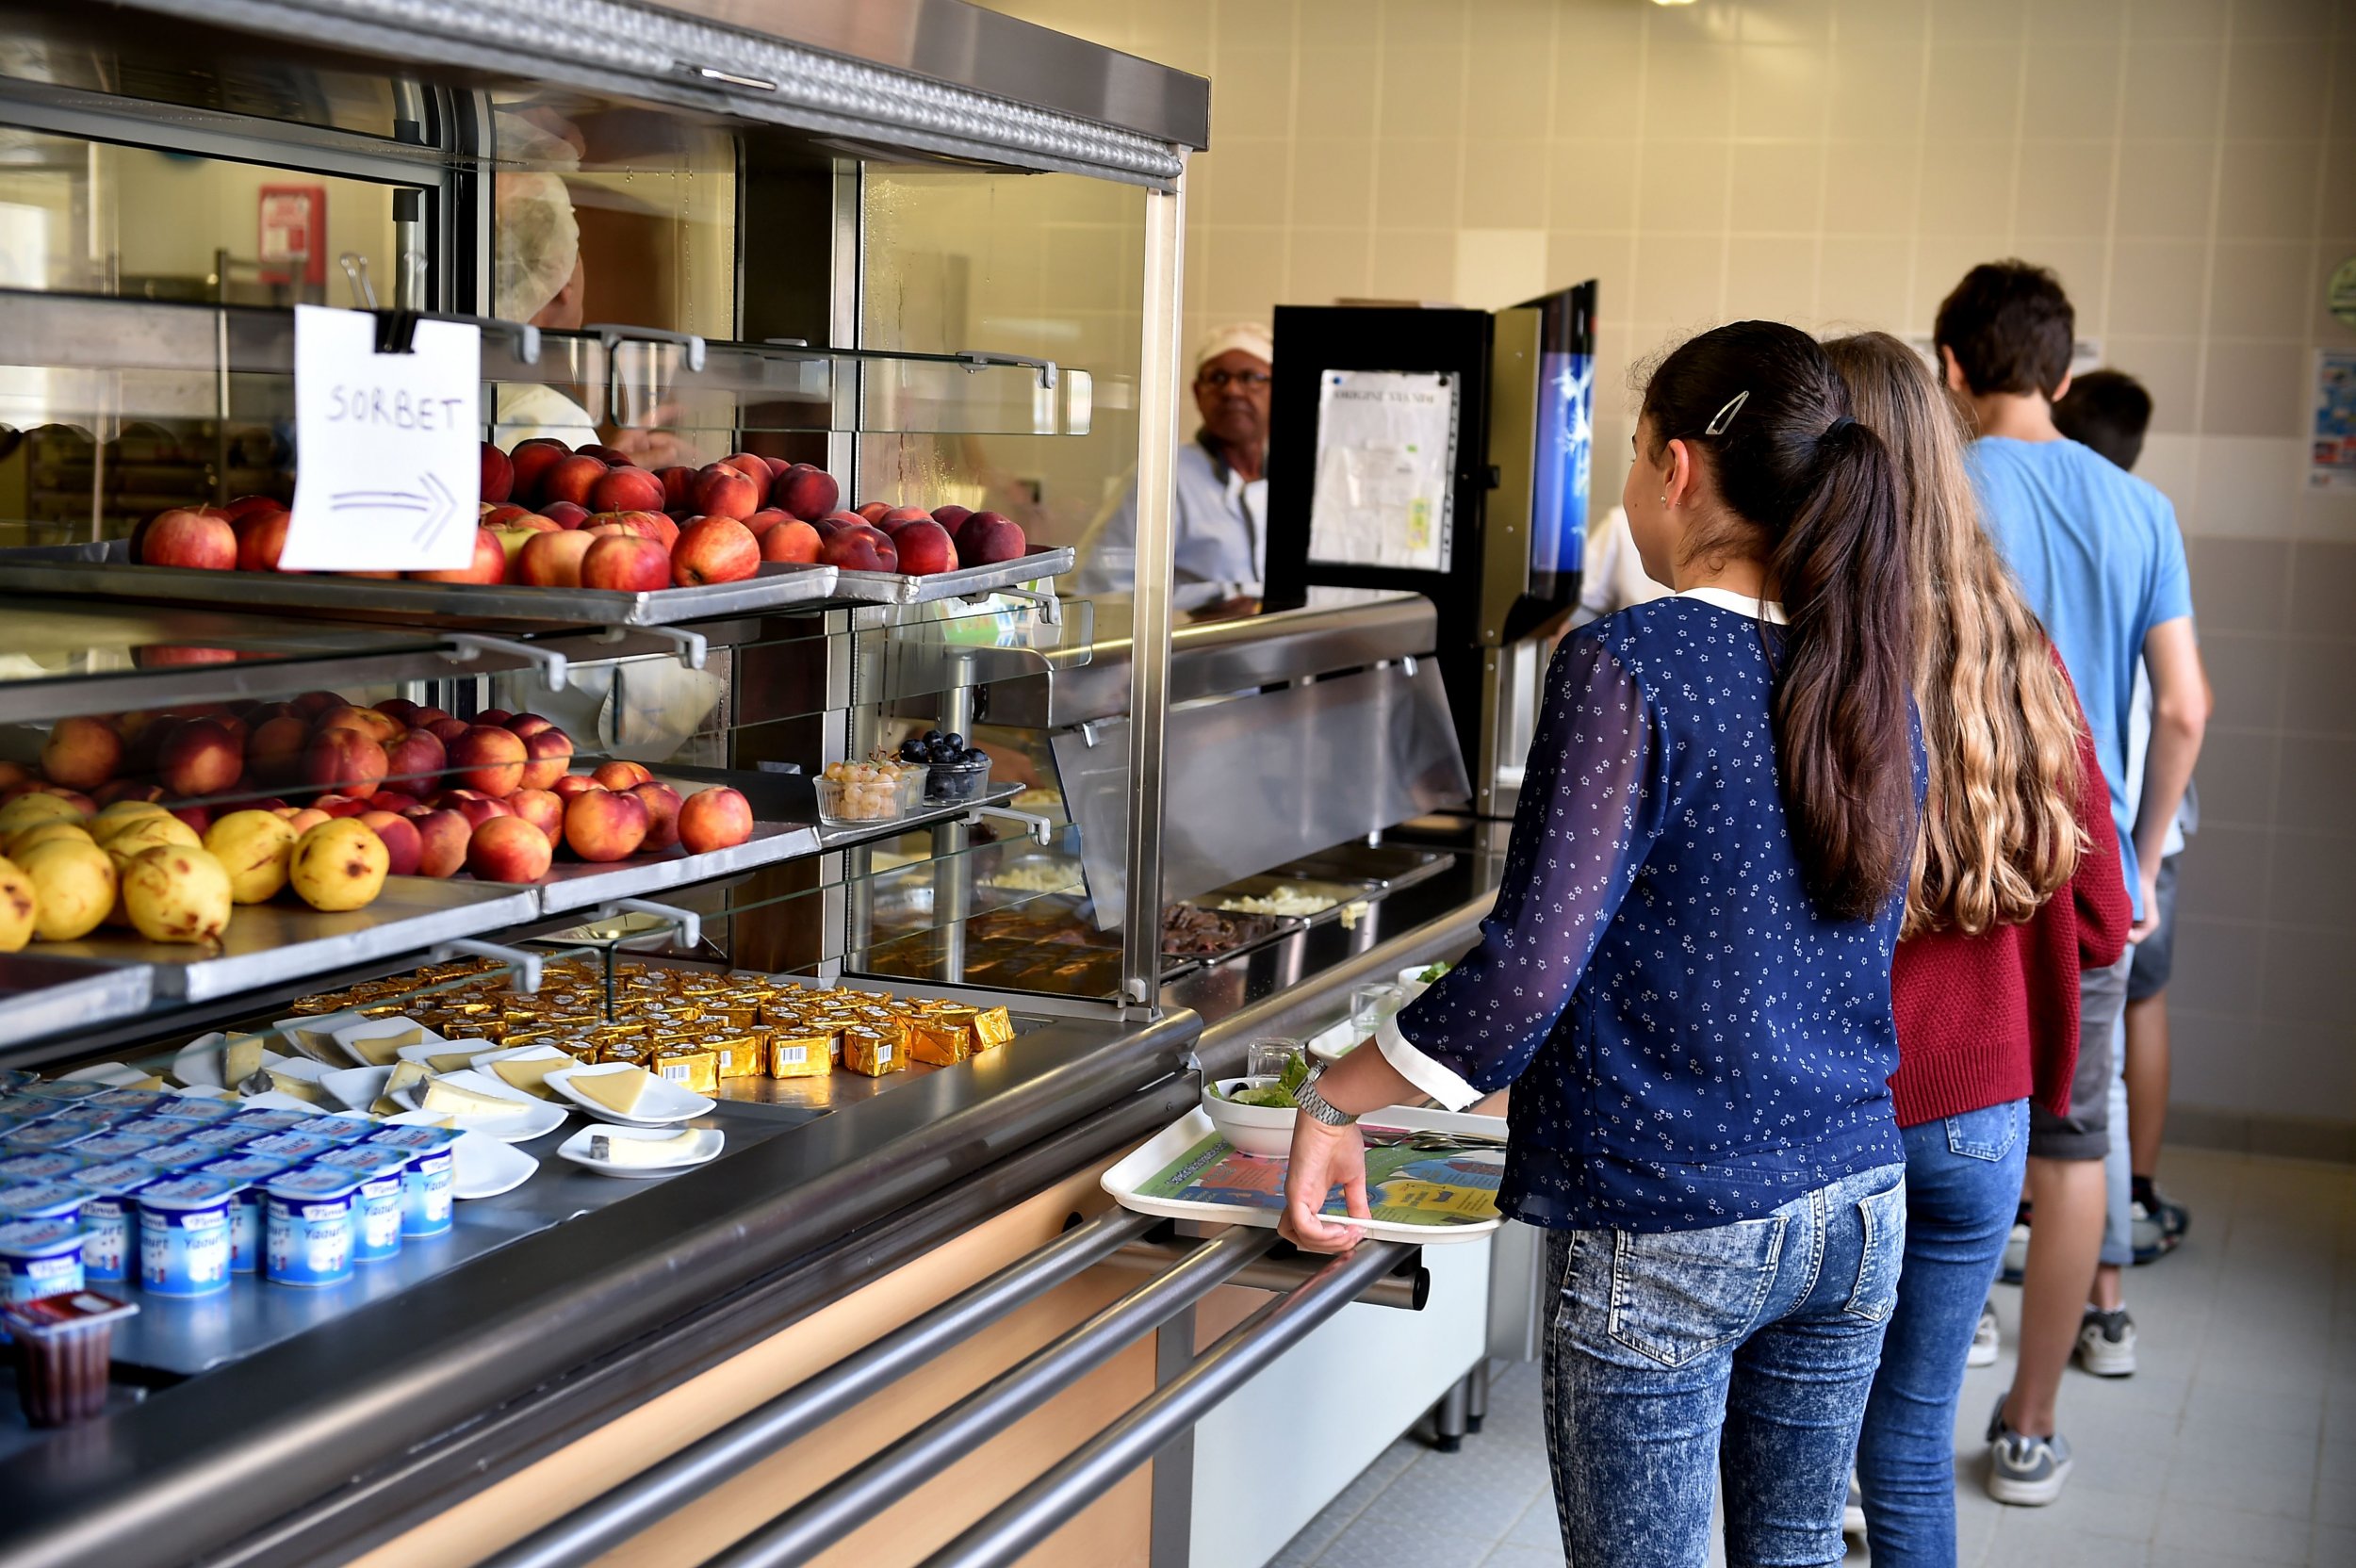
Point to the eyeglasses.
(1220, 381)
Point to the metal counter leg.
(1477, 1394)
(1448, 1417)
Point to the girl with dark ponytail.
(1686, 979)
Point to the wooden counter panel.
(1111, 1533)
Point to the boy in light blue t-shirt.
(2100, 560)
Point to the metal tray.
(41, 995)
(1342, 893)
(966, 583)
(269, 942)
(1379, 868)
(105, 570)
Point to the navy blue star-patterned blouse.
(1688, 1042)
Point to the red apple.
(380, 726)
(442, 837)
(512, 515)
(488, 566)
(488, 759)
(261, 536)
(530, 461)
(714, 819)
(755, 468)
(679, 486)
(403, 848)
(720, 491)
(861, 549)
(656, 526)
(619, 775)
(613, 457)
(924, 549)
(990, 537)
(759, 523)
(498, 474)
(479, 809)
(548, 752)
(494, 715)
(567, 513)
(334, 806)
(793, 540)
(399, 802)
(571, 479)
(899, 517)
(527, 724)
(952, 517)
(343, 761)
(662, 802)
(626, 489)
(873, 512)
(415, 760)
(81, 753)
(809, 493)
(200, 758)
(573, 784)
(543, 809)
(445, 728)
(400, 710)
(272, 749)
(626, 563)
(553, 560)
(604, 825)
(509, 849)
(195, 540)
(107, 795)
(718, 550)
(198, 818)
(312, 704)
(243, 507)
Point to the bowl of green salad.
(1255, 1113)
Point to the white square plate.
(704, 1147)
(324, 1025)
(663, 1104)
(532, 1119)
(368, 1026)
(357, 1087)
(481, 1165)
(198, 1065)
(521, 1053)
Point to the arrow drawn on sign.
(431, 499)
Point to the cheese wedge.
(405, 1074)
(387, 1106)
(531, 1073)
(618, 1091)
(152, 1081)
(317, 1044)
(305, 1089)
(240, 1059)
(458, 1100)
(458, 1060)
(385, 1050)
(641, 1151)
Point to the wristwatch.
(1307, 1097)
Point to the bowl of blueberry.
(955, 772)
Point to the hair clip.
(1724, 416)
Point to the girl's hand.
(1322, 1156)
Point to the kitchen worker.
(1220, 553)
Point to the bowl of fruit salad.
(953, 772)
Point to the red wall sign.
(294, 233)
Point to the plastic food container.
(108, 1249)
(308, 1216)
(274, 1121)
(857, 804)
(130, 1138)
(953, 783)
(184, 1234)
(64, 1345)
(196, 1107)
(180, 1155)
(40, 1257)
(65, 1089)
(46, 1164)
(56, 1132)
(134, 1102)
(337, 1129)
(294, 1146)
(41, 1200)
(223, 1137)
(426, 1190)
(249, 1171)
(376, 1222)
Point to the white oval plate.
(424, 1051)
(663, 1104)
(357, 1087)
(705, 1148)
(521, 1053)
(113, 1073)
(368, 1026)
(324, 1025)
(532, 1119)
(481, 1165)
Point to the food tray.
(1126, 1180)
(966, 583)
(1342, 893)
(284, 942)
(1257, 931)
(1378, 868)
(105, 570)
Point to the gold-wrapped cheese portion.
(937, 1042)
(873, 1053)
(696, 1071)
(800, 1056)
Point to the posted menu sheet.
(1386, 451)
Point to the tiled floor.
(2235, 1444)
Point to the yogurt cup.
(245, 1205)
(109, 1214)
(20, 1106)
(41, 1200)
(56, 1132)
(337, 1129)
(382, 1172)
(273, 1120)
(196, 1107)
(184, 1234)
(179, 1155)
(308, 1219)
(68, 1088)
(432, 1174)
(225, 1137)
(292, 1145)
(130, 1138)
(40, 1257)
(134, 1102)
(45, 1164)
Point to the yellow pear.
(31, 810)
(133, 834)
(340, 865)
(24, 838)
(17, 904)
(178, 895)
(73, 887)
(255, 849)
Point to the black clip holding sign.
(396, 331)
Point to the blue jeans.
(1963, 1179)
(1738, 1355)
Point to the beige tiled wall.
(2188, 165)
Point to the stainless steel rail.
(1407, 1287)
(612, 1518)
(1033, 1514)
(833, 1511)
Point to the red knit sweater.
(1983, 1020)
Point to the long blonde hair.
(1999, 828)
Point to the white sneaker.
(1986, 1340)
(2106, 1344)
(2026, 1472)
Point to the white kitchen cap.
(1251, 337)
(539, 242)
